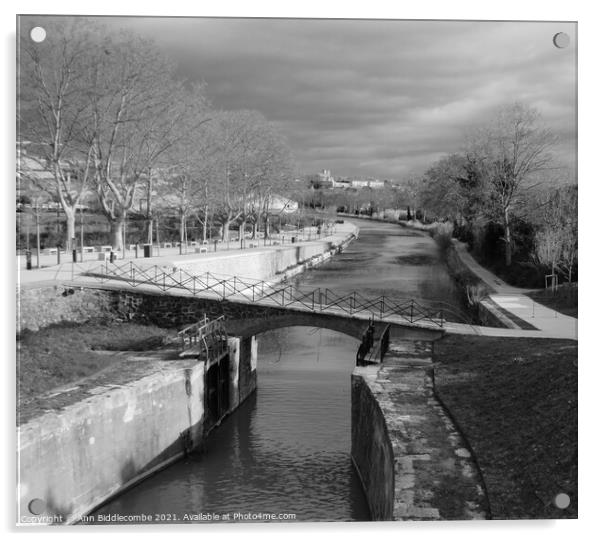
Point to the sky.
(379, 98)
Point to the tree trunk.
(70, 233)
(226, 231)
(241, 232)
(116, 232)
(508, 239)
(182, 231)
(205, 221)
(149, 230)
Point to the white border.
(589, 94)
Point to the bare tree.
(52, 107)
(138, 112)
(512, 150)
(255, 160)
(557, 239)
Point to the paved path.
(550, 323)
(48, 262)
(50, 273)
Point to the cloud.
(380, 98)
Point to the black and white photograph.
(295, 270)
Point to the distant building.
(342, 183)
(326, 179)
(368, 183)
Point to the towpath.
(549, 323)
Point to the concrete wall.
(73, 459)
(269, 263)
(257, 264)
(371, 450)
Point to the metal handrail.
(283, 295)
(210, 335)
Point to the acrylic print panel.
(219, 221)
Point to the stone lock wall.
(371, 450)
(73, 458)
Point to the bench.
(193, 243)
(49, 251)
(200, 250)
(104, 256)
(88, 249)
(253, 244)
(105, 248)
(167, 245)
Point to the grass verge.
(564, 300)
(61, 354)
(515, 400)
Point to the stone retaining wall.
(413, 463)
(371, 450)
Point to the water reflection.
(286, 450)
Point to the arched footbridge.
(252, 306)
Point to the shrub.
(442, 234)
(463, 232)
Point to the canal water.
(285, 452)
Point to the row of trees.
(104, 115)
(501, 179)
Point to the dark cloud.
(382, 98)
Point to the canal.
(286, 450)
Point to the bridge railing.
(208, 335)
(264, 292)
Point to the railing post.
(253, 292)
(235, 285)
(412, 311)
(382, 306)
